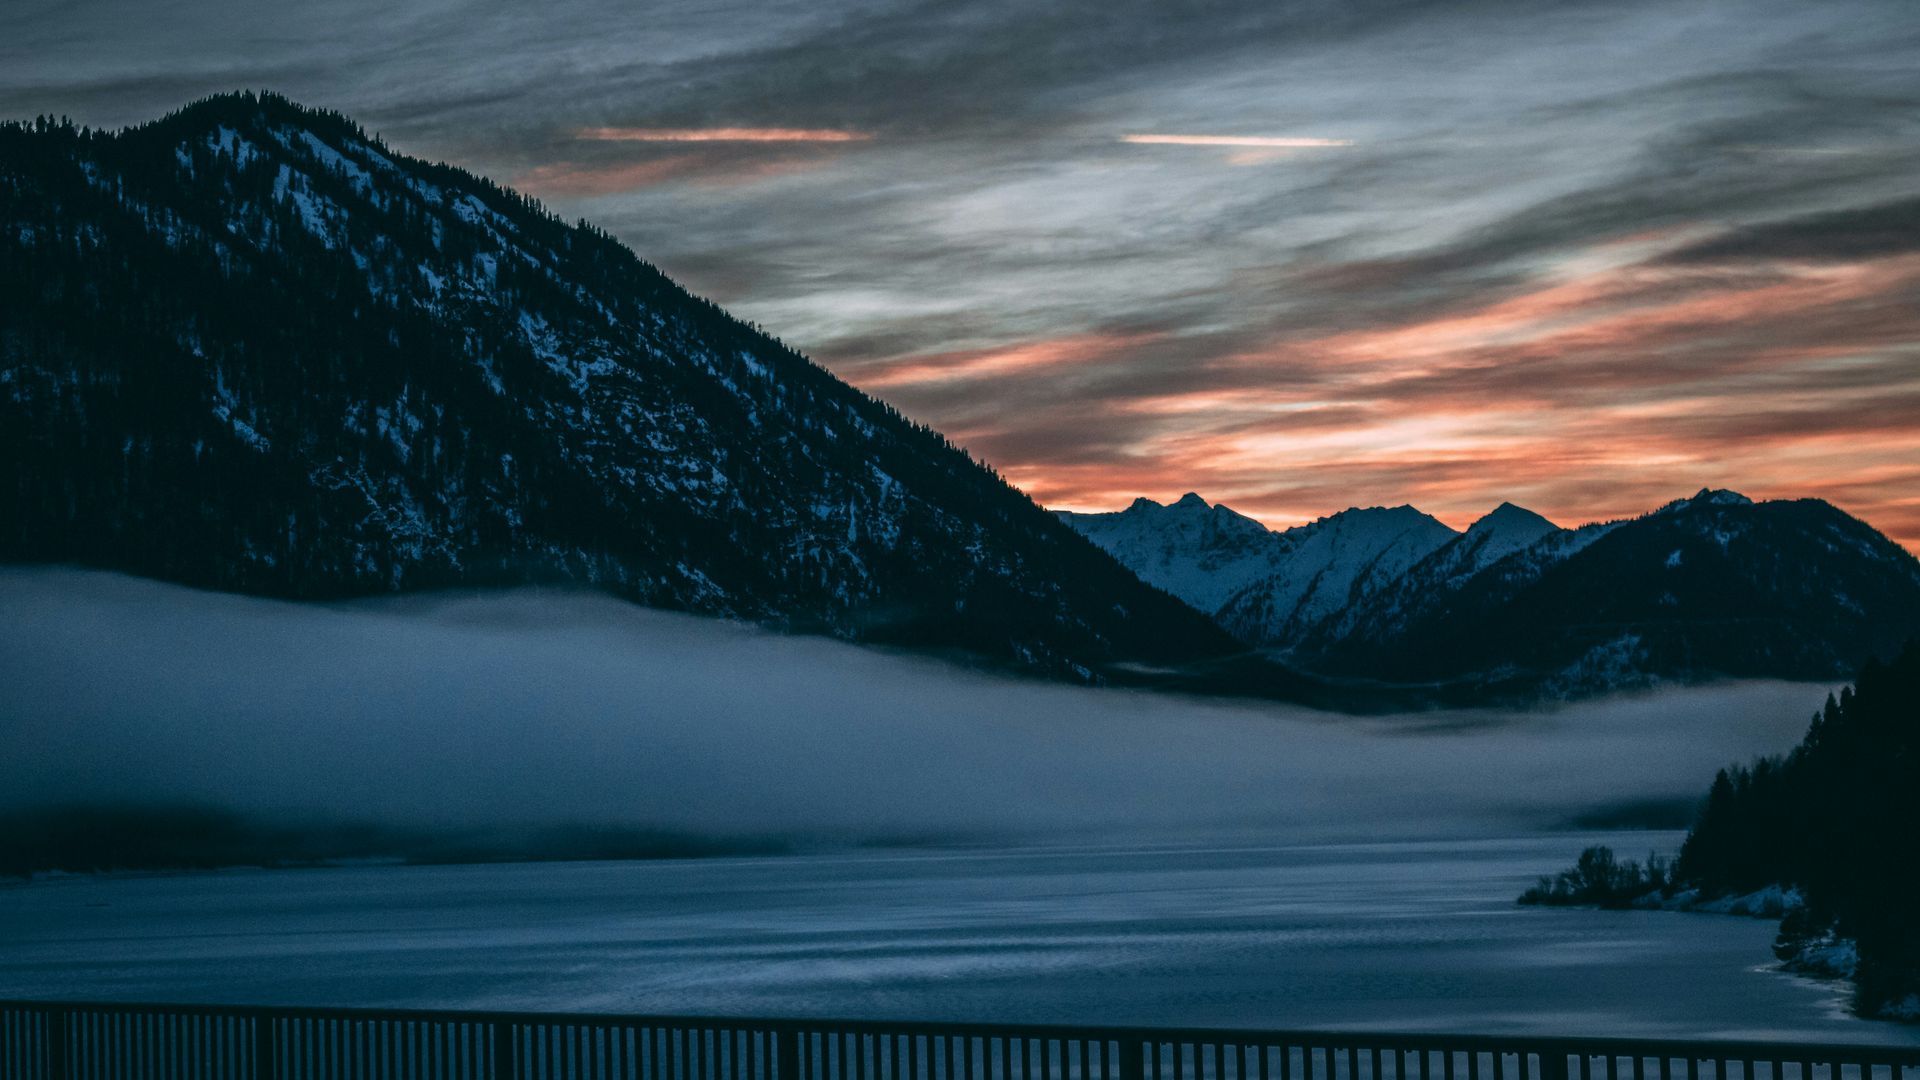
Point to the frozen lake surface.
(1394, 936)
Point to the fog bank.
(529, 708)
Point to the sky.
(1294, 255)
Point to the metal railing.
(44, 1040)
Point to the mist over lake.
(527, 708)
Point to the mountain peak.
(250, 110)
(1508, 518)
(1143, 504)
(1403, 516)
(1191, 501)
(1707, 497)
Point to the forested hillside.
(1839, 818)
(250, 347)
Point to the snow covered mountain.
(249, 347)
(1199, 553)
(1516, 606)
(1384, 610)
(1331, 565)
(1266, 587)
(1715, 585)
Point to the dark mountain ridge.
(249, 347)
(1712, 586)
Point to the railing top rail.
(1359, 1038)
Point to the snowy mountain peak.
(1329, 566)
(1403, 512)
(1381, 521)
(1199, 553)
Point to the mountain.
(249, 347)
(1506, 530)
(1517, 607)
(1331, 565)
(1266, 587)
(1715, 585)
(1199, 553)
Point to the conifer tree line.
(1836, 819)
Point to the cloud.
(528, 709)
(1891, 228)
(722, 134)
(1267, 141)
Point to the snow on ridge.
(235, 145)
(332, 160)
(1260, 583)
(1334, 564)
(226, 409)
(1706, 497)
(1201, 554)
(316, 211)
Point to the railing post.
(786, 1055)
(264, 1065)
(506, 1063)
(1133, 1059)
(57, 1044)
(1553, 1065)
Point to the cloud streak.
(722, 134)
(1266, 141)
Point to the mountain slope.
(1710, 586)
(1505, 531)
(1268, 588)
(1199, 553)
(1331, 565)
(248, 347)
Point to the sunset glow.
(722, 134)
(1587, 397)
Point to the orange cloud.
(1602, 391)
(721, 134)
(973, 364)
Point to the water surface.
(1390, 936)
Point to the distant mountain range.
(1714, 585)
(249, 347)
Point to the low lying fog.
(529, 708)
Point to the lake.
(1392, 936)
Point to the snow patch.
(226, 408)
